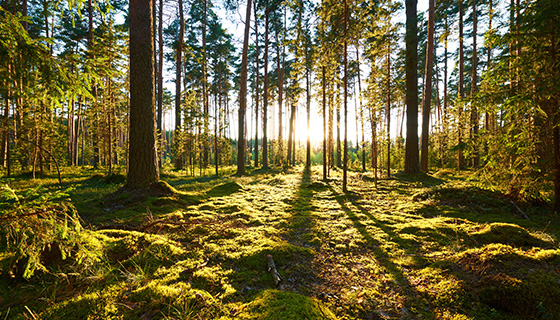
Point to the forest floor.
(412, 247)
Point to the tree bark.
(323, 85)
(243, 96)
(461, 157)
(388, 110)
(160, 84)
(345, 160)
(143, 168)
(411, 62)
(256, 144)
(178, 72)
(474, 110)
(427, 101)
(265, 93)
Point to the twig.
(520, 211)
(272, 269)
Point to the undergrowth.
(414, 247)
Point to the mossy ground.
(414, 247)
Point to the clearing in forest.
(414, 247)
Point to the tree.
(426, 102)
(143, 168)
(243, 96)
(461, 84)
(178, 73)
(411, 151)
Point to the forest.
(279, 159)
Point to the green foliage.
(40, 229)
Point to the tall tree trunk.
(411, 61)
(179, 71)
(345, 160)
(338, 146)
(323, 85)
(308, 153)
(361, 112)
(265, 93)
(388, 110)
(160, 85)
(143, 168)
(331, 125)
(243, 97)
(256, 145)
(427, 101)
(445, 128)
(280, 69)
(461, 157)
(290, 130)
(205, 87)
(474, 109)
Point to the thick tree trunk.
(243, 96)
(411, 62)
(143, 167)
(427, 101)
(290, 130)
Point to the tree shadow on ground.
(383, 257)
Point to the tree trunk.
(461, 157)
(179, 71)
(290, 130)
(361, 112)
(411, 62)
(388, 110)
(160, 85)
(338, 147)
(427, 101)
(205, 87)
(474, 110)
(265, 93)
(308, 153)
(345, 161)
(280, 69)
(256, 145)
(323, 85)
(143, 168)
(243, 97)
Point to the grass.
(415, 247)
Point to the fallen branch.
(272, 269)
(520, 211)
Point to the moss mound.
(515, 282)
(275, 304)
(508, 234)
(224, 189)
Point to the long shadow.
(299, 232)
(382, 255)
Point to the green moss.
(225, 189)
(507, 233)
(275, 304)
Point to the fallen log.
(272, 270)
